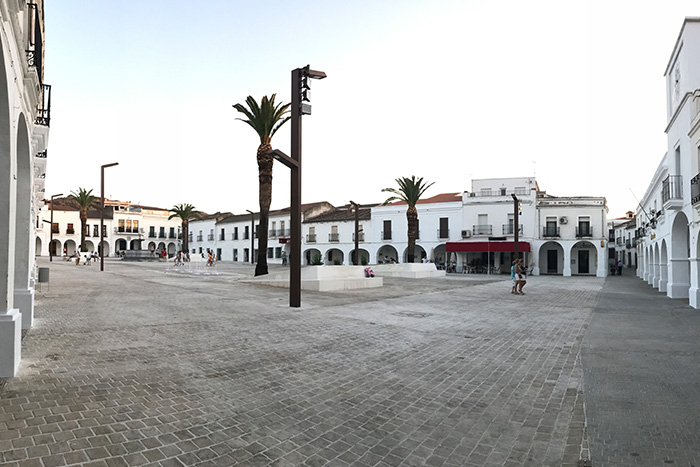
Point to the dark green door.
(583, 257)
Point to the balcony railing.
(283, 233)
(508, 229)
(311, 238)
(550, 231)
(199, 238)
(151, 234)
(628, 244)
(482, 229)
(584, 231)
(43, 111)
(272, 233)
(672, 188)
(210, 237)
(695, 189)
(333, 237)
(70, 231)
(498, 192)
(443, 233)
(172, 235)
(161, 235)
(360, 237)
(619, 241)
(189, 238)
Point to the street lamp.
(102, 213)
(516, 212)
(252, 239)
(51, 245)
(356, 261)
(300, 106)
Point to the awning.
(473, 247)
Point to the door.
(583, 267)
(552, 262)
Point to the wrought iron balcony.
(210, 237)
(199, 238)
(283, 233)
(311, 238)
(584, 231)
(672, 192)
(619, 241)
(695, 189)
(485, 229)
(43, 111)
(70, 231)
(509, 229)
(272, 233)
(360, 237)
(550, 231)
(151, 234)
(172, 235)
(333, 237)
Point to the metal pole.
(102, 213)
(295, 195)
(357, 233)
(515, 226)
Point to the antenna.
(640, 205)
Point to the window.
(54, 228)
(444, 227)
(503, 191)
(550, 229)
(95, 230)
(161, 233)
(386, 233)
(172, 232)
(333, 237)
(283, 233)
(270, 252)
(120, 225)
(235, 234)
(246, 233)
(278, 252)
(69, 229)
(135, 226)
(152, 232)
(128, 225)
(235, 254)
(222, 235)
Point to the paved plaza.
(139, 365)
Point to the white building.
(24, 132)
(667, 218)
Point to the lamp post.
(356, 260)
(51, 245)
(516, 208)
(102, 212)
(252, 239)
(300, 106)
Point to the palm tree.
(265, 119)
(186, 212)
(84, 199)
(410, 190)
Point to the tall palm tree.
(265, 119)
(186, 212)
(410, 190)
(84, 199)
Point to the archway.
(135, 244)
(55, 248)
(71, 247)
(23, 218)
(312, 255)
(172, 249)
(364, 257)
(657, 266)
(37, 246)
(120, 245)
(152, 246)
(89, 245)
(104, 249)
(161, 246)
(334, 256)
(585, 258)
(551, 258)
(663, 267)
(386, 253)
(418, 254)
(679, 267)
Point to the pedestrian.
(77, 257)
(619, 267)
(522, 277)
(513, 289)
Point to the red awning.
(472, 247)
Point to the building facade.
(24, 132)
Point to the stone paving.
(642, 385)
(138, 366)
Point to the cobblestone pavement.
(138, 366)
(642, 384)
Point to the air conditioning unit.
(466, 233)
(563, 220)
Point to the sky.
(571, 92)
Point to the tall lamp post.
(356, 260)
(516, 228)
(252, 238)
(51, 245)
(102, 212)
(300, 106)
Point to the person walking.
(522, 277)
(513, 289)
(619, 267)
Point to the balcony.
(199, 238)
(43, 111)
(161, 235)
(189, 238)
(283, 233)
(508, 229)
(70, 231)
(619, 241)
(172, 235)
(550, 232)
(333, 237)
(360, 235)
(443, 233)
(272, 233)
(584, 231)
(672, 192)
(482, 229)
(210, 237)
(152, 234)
(695, 189)
(628, 244)
(311, 238)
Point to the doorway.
(583, 258)
(552, 262)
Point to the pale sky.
(570, 91)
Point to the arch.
(656, 266)
(104, 248)
(663, 267)
(551, 258)
(135, 244)
(89, 245)
(172, 249)
(37, 246)
(679, 258)
(55, 248)
(334, 255)
(386, 253)
(161, 246)
(418, 253)
(71, 247)
(585, 256)
(364, 254)
(152, 246)
(310, 254)
(8, 167)
(23, 206)
(440, 253)
(119, 246)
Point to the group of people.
(181, 259)
(87, 257)
(518, 276)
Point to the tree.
(84, 199)
(410, 190)
(186, 212)
(265, 119)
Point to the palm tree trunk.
(83, 223)
(412, 218)
(265, 162)
(185, 238)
